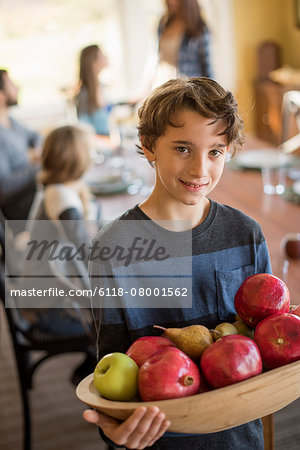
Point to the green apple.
(116, 377)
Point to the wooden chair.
(27, 340)
(268, 423)
(290, 121)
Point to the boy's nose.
(198, 167)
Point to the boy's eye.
(182, 149)
(215, 152)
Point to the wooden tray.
(215, 410)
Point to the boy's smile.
(189, 160)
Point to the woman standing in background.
(90, 101)
(184, 39)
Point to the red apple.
(259, 296)
(146, 346)
(278, 339)
(291, 245)
(231, 359)
(169, 373)
(295, 309)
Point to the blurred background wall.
(257, 21)
(40, 42)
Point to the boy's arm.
(263, 259)
(144, 426)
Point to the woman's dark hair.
(88, 77)
(192, 16)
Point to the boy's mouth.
(192, 186)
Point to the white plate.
(103, 175)
(108, 181)
(110, 185)
(296, 187)
(109, 188)
(265, 157)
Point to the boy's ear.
(148, 153)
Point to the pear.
(192, 340)
(244, 329)
(223, 329)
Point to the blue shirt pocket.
(228, 283)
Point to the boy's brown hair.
(199, 94)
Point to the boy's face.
(189, 159)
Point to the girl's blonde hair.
(65, 155)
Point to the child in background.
(65, 203)
(186, 128)
(90, 101)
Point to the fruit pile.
(194, 359)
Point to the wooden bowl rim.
(95, 400)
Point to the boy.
(186, 128)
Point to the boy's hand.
(140, 430)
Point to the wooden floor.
(56, 412)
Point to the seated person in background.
(90, 101)
(64, 203)
(17, 174)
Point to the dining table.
(241, 189)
